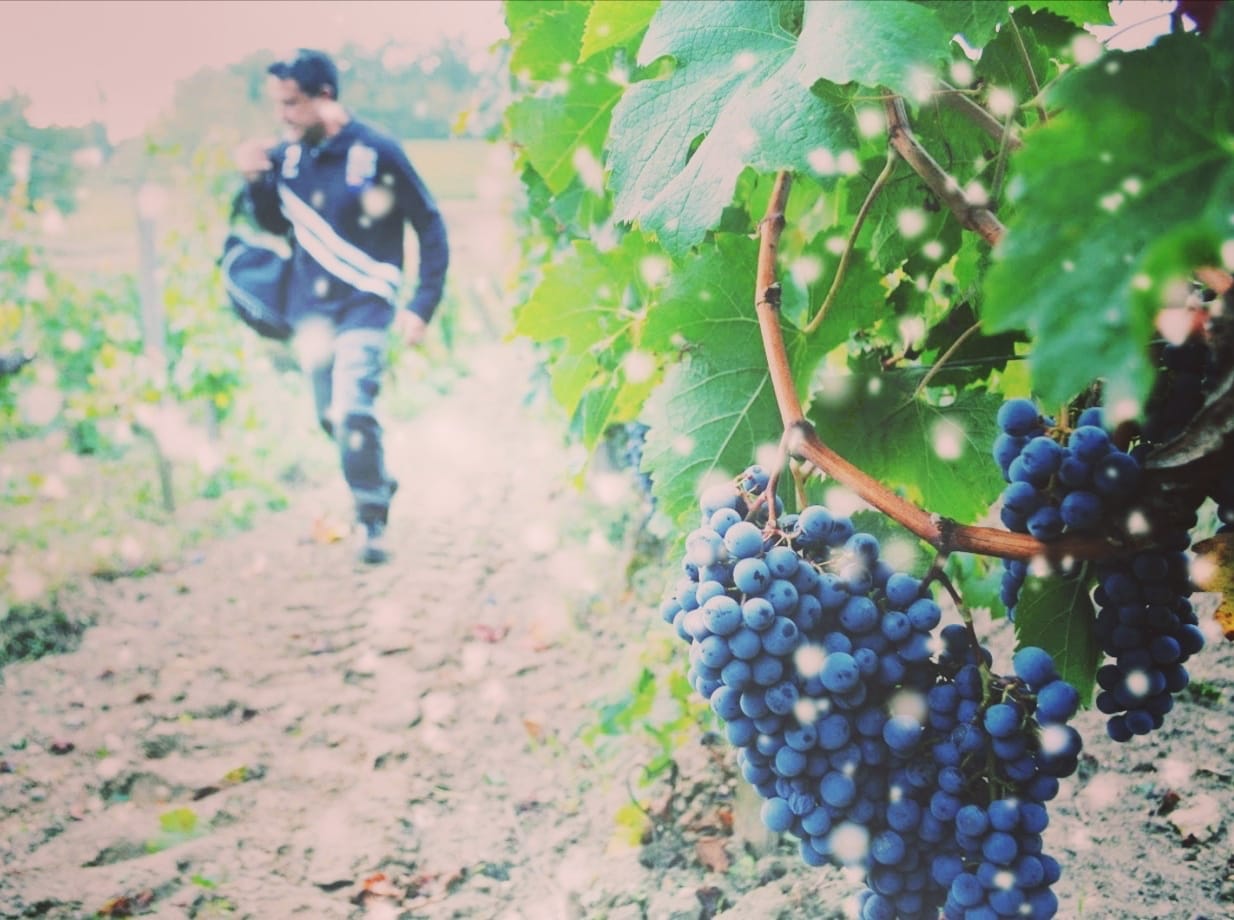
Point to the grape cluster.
(996, 867)
(1055, 488)
(820, 661)
(1145, 623)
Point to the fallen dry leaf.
(117, 907)
(535, 730)
(1200, 820)
(712, 854)
(379, 885)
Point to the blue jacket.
(345, 202)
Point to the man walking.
(344, 190)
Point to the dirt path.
(302, 723)
(273, 732)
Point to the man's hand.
(251, 158)
(410, 327)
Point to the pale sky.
(119, 60)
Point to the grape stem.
(972, 216)
(851, 243)
(801, 440)
(773, 481)
(946, 356)
(937, 574)
(1028, 66)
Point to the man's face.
(297, 110)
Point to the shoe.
(373, 551)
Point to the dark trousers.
(345, 369)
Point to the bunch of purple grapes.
(807, 644)
(1146, 623)
(1055, 488)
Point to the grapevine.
(981, 307)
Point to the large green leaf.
(874, 44)
(937, 455)
(737, 97)
(1140, 151)
(705, 421)
(859, 303)
(716, 408)
(1081, 12)
(1056, 614)
(520, 14)
(976, 20)
(612, 24)
(555, 130)
(592, 302)
(544, 42)
(1046, 39)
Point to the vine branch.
(767, 303)
(972, 216)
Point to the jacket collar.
(339, 143)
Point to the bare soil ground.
(269, 730)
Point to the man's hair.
(312, 70)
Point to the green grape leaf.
(737, 97)
(936, 454)
(973, 359)
(596, 408)
(705, 422)
(584, 301)
(978, 579)
(1046, 39)
(976, 20)
(1139, 151)
(560, 134)
(546, 41)
(571, 375)
(610, 397)
(716, 408)
(520, 15)
(1057, 614)
(859, 303)
(612, 24)
(906, 217)
(1081, 12)
(875, 44)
